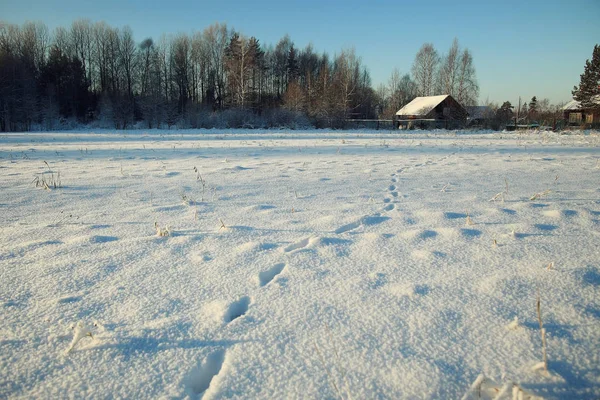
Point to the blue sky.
(520, 48)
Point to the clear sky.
(520, 48)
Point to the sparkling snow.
(349, 265)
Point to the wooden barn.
(432, 112)
(577, 115)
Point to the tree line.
(94, 72)
(91, 72)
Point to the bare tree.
(239, 59)
(128, 59)
(467, 91)
(82, 45)
(424, 69)
(216, 37)
(346, 75)
(449, 68)
(180, 61)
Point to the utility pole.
(518, 111)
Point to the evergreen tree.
(589, 86)
(505, 112)
(257, 69)
(292, 64)
(63, 82)
(533, 108)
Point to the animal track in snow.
(470, 233)
(199, 379)
(392, 188)
(236, 309)
(389, 207)
(267, 276)
(366, 220)
(348, 227)
(427, 234)
(454, 215)
(298, 245)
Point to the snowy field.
(353, 265)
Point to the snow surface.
(311, 265)
(421, 105)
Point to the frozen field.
(299, 265)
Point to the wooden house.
(432, 112)
(577, 115)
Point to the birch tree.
(424, 69)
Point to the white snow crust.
(352, 265)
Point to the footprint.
(366, 220)
(394, 194)
(427, 234)
(103, 239)
(348, 227)
(394, 180)
(455, 215)
(387, 200)
(298, 245)
(392, 188)
(236, 309)
(389, 207)
(69, 299)
(267, 276)
(200, 378)
(545, 227)
(470, 233)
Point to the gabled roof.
(576, 105)
(572, 105)
(422, 105)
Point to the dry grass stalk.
(162, 232)
(469, 221)
(539, 195)
(543, 333)
(327, 371)
(339, 362)
(47, 179)
(222, 224)
(497, 196)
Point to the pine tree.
(257, 70)
(292, 64)
(589, 86)
(505, 112)
(533, 107)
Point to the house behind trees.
(578, 115)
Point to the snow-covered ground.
(349, 265)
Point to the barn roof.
(421, 105)
(576, 105)
(572, 105)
